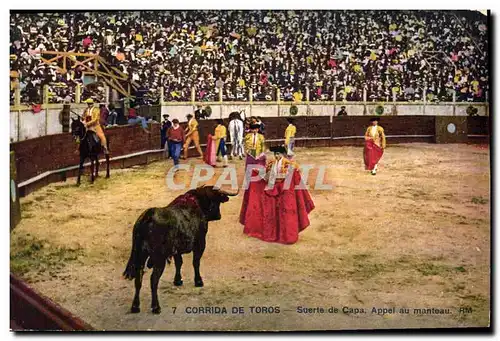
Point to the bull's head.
(210, 198)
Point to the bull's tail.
(136, 255)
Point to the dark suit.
(200, 114)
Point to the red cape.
(209, 156)
(372, 154)
(276, 215)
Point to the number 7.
(174, 309)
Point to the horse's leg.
(198, 250)
(106, 155)
(178, 266)
(91, 169)
(158, 267)
(97, 165)
(107, 165)
(80, 169)
(136, 303)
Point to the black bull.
(162, 233)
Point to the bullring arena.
(416, 235)
(407, 247)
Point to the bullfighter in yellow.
(91, 118)
(192, 134)
(220, 141)
(290, 132)
(374, 145)
(255, 146)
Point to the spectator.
(228, 53)
(262, 126)
(166, 124)
(176, 137)
(104, 113)
(134, 118)
(112, 116)
(342, 111)
(200, 113)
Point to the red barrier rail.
(30, 310)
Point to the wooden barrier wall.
(30, 310)
(52, 152)
(319, 131)
(41, 154)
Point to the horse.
(90, 147)
(236, 130)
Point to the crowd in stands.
(335, 54)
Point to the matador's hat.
(375, 119)
(254, 126)
(278, 149)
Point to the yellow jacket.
(220, 133)
(378, 136)
(254, 147)
(289, 132)
(192, 126)
(285, 165)
(91, 117)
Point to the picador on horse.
(91, 118)
(88, 133)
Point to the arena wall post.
(250, 98)
(278, 100)
(394, 110)
(78, 94)
(15, 206)
(364, 101)
(454, 103)
(308, 110)
(17, 95)
(18, 125)
(107, 92)
(486, 103)
(220, 102)
(334, 99)
(45, 96)
(424, 96)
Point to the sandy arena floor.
(416, 235)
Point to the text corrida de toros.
(232, 310)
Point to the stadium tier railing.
(25, 123)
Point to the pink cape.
(372, 154)
(209, 156)
(276, 215)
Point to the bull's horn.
(229, 194)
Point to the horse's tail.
(136, 255)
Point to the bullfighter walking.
(374, 145)
(192, 134)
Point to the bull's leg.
(178, 266)
(158, 268)
(138, 284)
(136, 303)
(198, 250)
